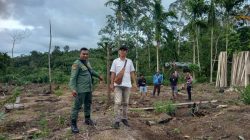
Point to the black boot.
(74, 128)
(125, 122)
(116, 125)
(88, 121)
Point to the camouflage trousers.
(80, 99)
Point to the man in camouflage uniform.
(81, 84)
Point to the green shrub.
(1, 116)
(61, 120)
(165, 106)
(3, 137)
(43, 123)
(193, 67)
(9, 78)
(245, 95)
(149, 80)
(202, 79)
(59, 92)
(59, 77)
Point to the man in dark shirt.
(142, 85)
(173, 82)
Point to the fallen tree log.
(12, 106)
(177, 105)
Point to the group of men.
(81, 84)
(158, 82)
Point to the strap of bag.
(125, 64)
(89, 71)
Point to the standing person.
(81, 84)
(157, 80)
(142, 85)
(173, 82)
(122, 90)
(189, 81)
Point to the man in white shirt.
(122, 90)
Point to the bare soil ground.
(49, 116)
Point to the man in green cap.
(81, 84)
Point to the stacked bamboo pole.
(221, 80)
(240, 69)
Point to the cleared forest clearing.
(48, 116)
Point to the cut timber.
(13, 106)
(221, 80)
(177, 105)
(240, 69)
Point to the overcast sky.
(74, 22)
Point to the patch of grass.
(61, 120)
(68, 135)
(245, 95)
(43, 125)
(165, 107)
(137, 110)
(2, 116)
(103, 98)
(59, 92)
(177, 131)
(233, 102)
(2, 137)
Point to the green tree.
(4, 63)
(230, 7)
(123, 14)
(159, 17)
(211, 22)
(196, 8)
(66, 48)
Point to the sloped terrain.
(47, 116)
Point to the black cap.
(123, 47)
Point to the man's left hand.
(135, 86)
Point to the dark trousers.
(80, 99)
(158, 88)
(189, 88)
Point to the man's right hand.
(74, 93)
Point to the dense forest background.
(194, 31)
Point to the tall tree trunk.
(119, 33)
(179, 43)
(12, 50)
(136, 52)
(136, 57)
(194, 56)
(216, 49)
(179, 37)
(227, 22)
(108, 73)
(149, 60)
(197, 45)
(50, 36)
(157, 54)
(211, 55)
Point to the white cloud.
(74, 23)
(11, 24)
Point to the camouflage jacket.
(81, 78)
